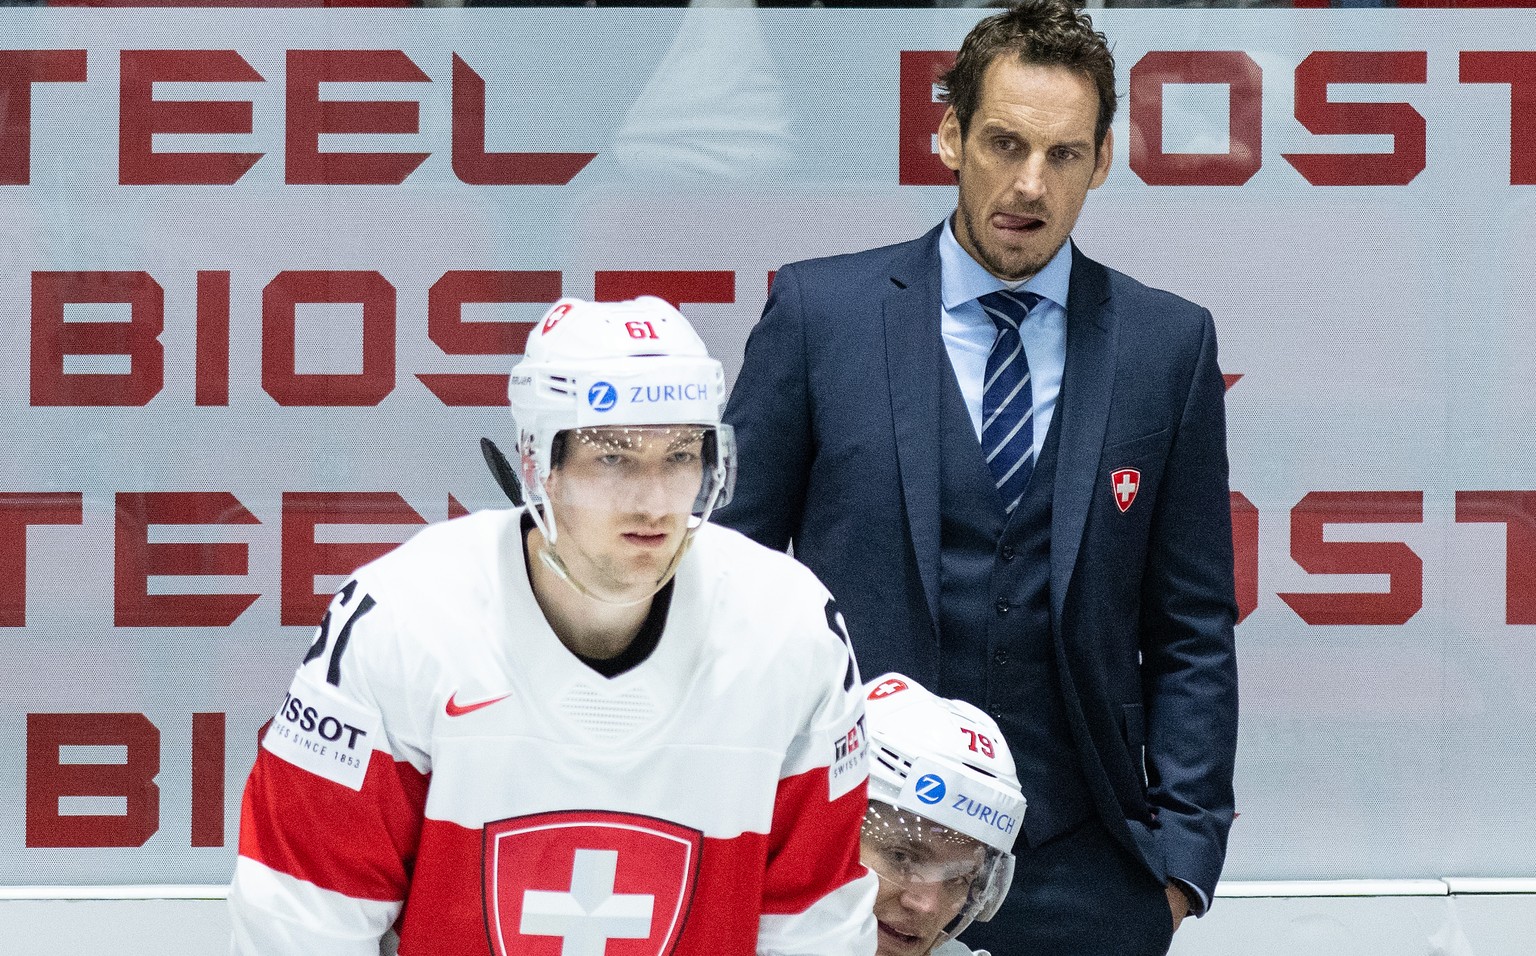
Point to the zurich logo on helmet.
(602, 396)
(930, 788)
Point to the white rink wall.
(1399, 918)
(1377, 338)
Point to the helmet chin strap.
(552, 560)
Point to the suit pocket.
(1125, 498)
(1131, 450)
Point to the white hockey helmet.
(639, 362)
(617, 366)
(941, 769)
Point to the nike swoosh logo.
(459, 710)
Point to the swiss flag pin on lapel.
(1124, 483)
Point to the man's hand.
(1178, 904)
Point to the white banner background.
(1381, 334)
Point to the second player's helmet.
(940, 773)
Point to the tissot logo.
(602, 396)
(309, 720)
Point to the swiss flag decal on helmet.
(1124, 483)
(574, 880)
(554, 316)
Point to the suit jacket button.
(1007, 552)
(1003, 606)
(1001, 656)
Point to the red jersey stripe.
(357, 843)
(802, 868)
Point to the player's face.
(1026, 164)
(924, 884)
(621, 499)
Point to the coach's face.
(1026, 164)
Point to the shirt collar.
(963, 278)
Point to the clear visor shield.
(944, 875)
(646, 469)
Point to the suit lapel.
(914, 354)
(1087, 387)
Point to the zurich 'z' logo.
(602, 396)
(930, 788)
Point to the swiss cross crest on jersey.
(1124, 483)
(588, 883)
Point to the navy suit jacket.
(836, 413)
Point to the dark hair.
(557, 450)
(1038, 32)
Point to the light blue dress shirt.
(969, 332)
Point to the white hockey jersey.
(442, 765)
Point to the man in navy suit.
(1008, 462)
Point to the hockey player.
(597, 725)
(944, 809)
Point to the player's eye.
(898, 858)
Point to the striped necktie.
(1007, 400)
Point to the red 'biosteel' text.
(306, 117)
(1316, 77)
(143, 299)
(51, 778)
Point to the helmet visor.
(959, 873)
(656, 469)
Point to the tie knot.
(1008, 309)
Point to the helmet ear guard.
(719, 469)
